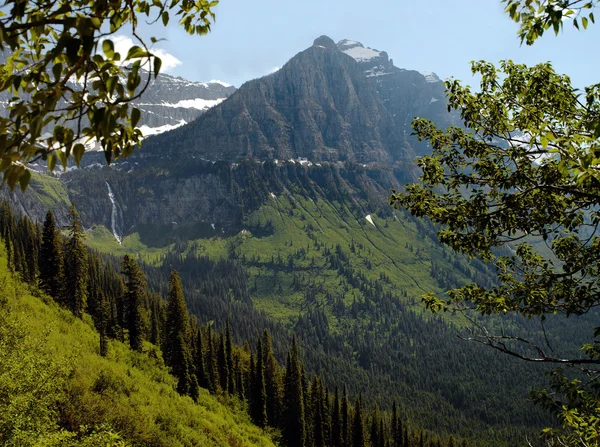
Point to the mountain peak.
(359, 52)
(325, 42)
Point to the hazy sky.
(252, 38)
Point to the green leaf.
(51, 161)
(157, 65)
(24, 179)
(165, 18)
(135, 116)
(78, 151)
(584, 22)
(108, 47)
(62, 157)
(136, 52)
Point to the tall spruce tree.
(177, 350)
(336, 421)
(231, 372)
(201, 374)
(375, 423)
(259, 394)
(211, 363)
(135, 285)
(345, 409)
(76, 264)
(294, 430)
(50, 263)
(358, 425)
(318, 413)
(272, 380)
(222, 363)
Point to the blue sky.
(251, 38)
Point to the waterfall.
(116, 216)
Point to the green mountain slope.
(325, 257)
(56, 390)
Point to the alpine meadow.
(340, 252)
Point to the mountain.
(168, 102)
(273, 207)
(319, 106)
(406, 94)
(172, 101)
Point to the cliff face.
(319, 106)
(172, 101)
(406, 94)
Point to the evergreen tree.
(272, 380)
(231, 382)
(102, 322)
(76, 264)
(211, 363)
(51, 259)
(132, 299)
(201, 374)
(358, 425)
(345, 408)
(451, 441)
(222, 363)
(375, 423)
(336, 421)
(177, 353)
(294, 433)
(317, 404)
(259, 394)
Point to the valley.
(271, 201)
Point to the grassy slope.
(131, 392)
(391, 246)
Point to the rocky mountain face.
(319, 106)
(406, 94)
(173, 101)
(169, 102)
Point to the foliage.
(537, 16)
(76, 266)
(51, 374)
(51, 258)
(522, 173)
(57, 79)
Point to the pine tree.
(211, 363)
(336, 421)
(51, 259)
(375, 422)
(318, 415)
(178, 353)
(201, 374)
(358, 425)
(133, 296)
(259, 394)
(451, 441)
(76, 264)
(345, 409)
(102, 322)
(222, 363)
(231, 382)
(294, 433)
(272, 380)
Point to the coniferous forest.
(297, 408)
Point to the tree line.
(303, 409)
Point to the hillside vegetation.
(56, 390)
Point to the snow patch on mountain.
(147, 131)
(361, 54)
(430, 76)
(195, 103)
(358, 51)
(370, 219)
